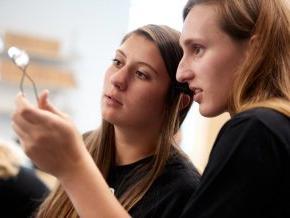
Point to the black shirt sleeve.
(244, 174)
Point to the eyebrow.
(139, 62)
(120, 51)
(189, 41)
(185, 42)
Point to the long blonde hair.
(9, 163)
(264, 78)
(101, 143)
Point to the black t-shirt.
(21, 195)
(168, 194)
(248, 173)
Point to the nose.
(119, 79)
(184, 72)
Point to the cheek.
(220, 83)
(149, 102)
(228, 63)
(220, 71)
(216, 78)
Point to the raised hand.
(48, 136)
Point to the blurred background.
(70, 44)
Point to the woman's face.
(210, 60)
(135, 85)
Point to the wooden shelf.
(46, 76)
(37, 46)
(46, 65)
(48, 68)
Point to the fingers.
(28, 111)
(24, 122)
(43, 99)
(26, 139)
(24, 128)
(21, 102)
(45, 104)
(31, 119)
(19, 132)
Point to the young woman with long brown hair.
(143, 106)
(237, 60)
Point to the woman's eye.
(141, 75)
(116, 62)
(197, 50)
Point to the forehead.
(202, 21)
(139, 49)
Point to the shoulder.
(180, 173)
(250, 154)
(267, 116)
(252, 137)
(90, 138)
(25, 183)
(28, 178)
(90, 134)
(256, 126)
(259, 121)
(171, 190)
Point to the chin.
(206, 112)
(113, 119)
(109, 117)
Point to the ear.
(185, 101)
(253, 42)
(249, 45)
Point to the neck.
(134, 144)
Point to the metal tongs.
(21, 59)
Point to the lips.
(197, 94)
(113, 99)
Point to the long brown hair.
(101, 143)
(264, 78)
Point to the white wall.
(168, 12)
(91, 29)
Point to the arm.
(50, 139)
